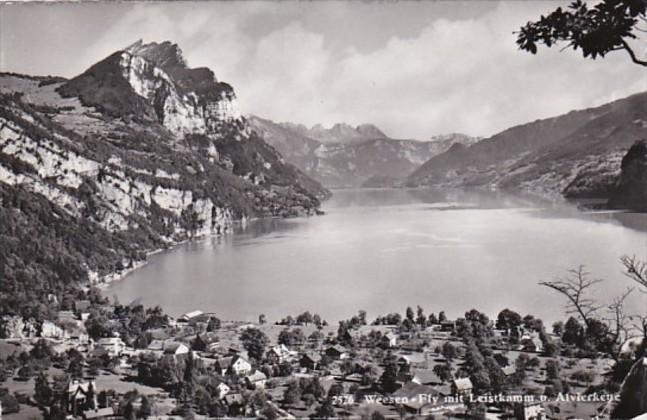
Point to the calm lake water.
(383, 250)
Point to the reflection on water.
(384, 250)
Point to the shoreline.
(104, 282)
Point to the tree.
(198, 344)
(420, 318)
(308, 400)
(42, 391)
(292, 393)
(573, 332)
(409, 313)
(361, 315)
(443, 371)
(476, 411)
(598, 30)
(575, 287)
(442, 317)
(449, 352)
(552, 369)
(325, 410)
(254, 341)
(390, 376)
(583, 376)
(508, 320)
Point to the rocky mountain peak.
(152, 82)
(339, 133)
(165, 55)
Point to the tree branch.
(632, 54)
(574, 288)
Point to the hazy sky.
(415, 69)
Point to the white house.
(240, 366)
(51, 330)
(114, 346)
(390, 339)
(222, 389)
(256, 380)
(175, 348)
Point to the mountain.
(134, 154)
(338, 133)
(631, 191)
(576, 154)
(349, 161)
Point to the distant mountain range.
(577, 154)
(346, 156)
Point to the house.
(529, 411)
(235, 403)
(389, 340)
(67, 316)
(448, 326)
(113, 346)
(80, 396)
(158, 334)
(425, 377)
(175, 348)
(51, 330)
(462, 386)
(156, 345)
(403, 360)
(256, 380)
(240, 366)
(279, 354)
(212, 383)
(310, 361)
(336, 352)
(372, 331)
(508, 370)
(414, 344)
(78, 335)
(414, 396)
(222, 389)
(222, 364)
(99, 413)
(233, 364)
(531, 344)
(189, 316)
(16, 327)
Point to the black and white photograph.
(357, 210)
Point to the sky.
(415, 69)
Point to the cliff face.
(631, 191)
(155, 84)
(633, 394)
(576, 154)
(344, 156)
(137, 152)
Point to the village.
(198, 366)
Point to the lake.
(384, 250)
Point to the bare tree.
(636, 270)
(575, 288)
(619, 323)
